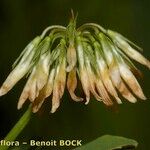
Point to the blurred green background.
(22, 20)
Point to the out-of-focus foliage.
(108, 142)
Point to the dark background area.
(22, 20)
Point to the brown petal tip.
(118, 100)
(77, 99)
(143, 97)
(3, 91)
(54, 108)
(133, 100)
(87, 100)
(19, 106)
(148, 64)
(35, 108)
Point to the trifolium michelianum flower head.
(100, 59)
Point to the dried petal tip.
(3, 91)
(148, 64)
(87, 100)
(35, 109)
(19, 106)
(54, 107)
(118, 100)
(133, 100)
(22, 100)
(143, 97)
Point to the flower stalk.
(18, 128)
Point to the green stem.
(52, 27)
(19, 126)
(92, 25)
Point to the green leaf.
(109, 142)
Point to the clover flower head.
(100, 59)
